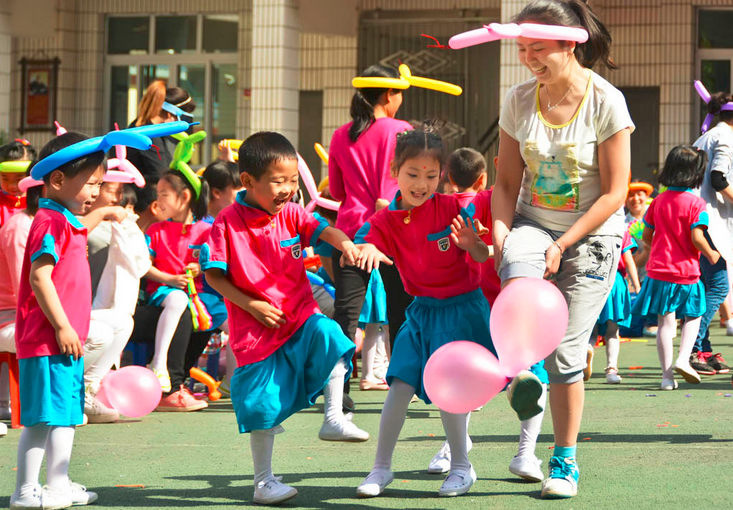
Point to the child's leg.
(31, 448)
(690, 330)
(612, 344)
(268, 489)
(335, 425)
(58, 455)
(530, 429)
(173, 305)
(456, 433)
(231, 363)
(371, 332)
(121, 325)
(665, 334)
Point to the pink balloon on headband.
(60, 130)
(496, 31)
(28, 182)
(122, 164)
(705, 96)
(117, 176)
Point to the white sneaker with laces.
(527, 467)
(458, 483)
(668, 384)
(440, 462)
(53, 498)
(97, 412)
(375, 483)
(343, 430)
(612, 376)
(29, 496)
(687, 372)
(80, 496)
(272, 491)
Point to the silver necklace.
(550, 108)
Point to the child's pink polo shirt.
(428, 261)
(628, 243)
(173, 246)
(490, 281)
(57, 232)
(9, 206)
(262, 256)
(673, 214)
(13, 238)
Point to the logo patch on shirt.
(196, 253)
(443, 244)
(295, 251)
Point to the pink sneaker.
(181, 401)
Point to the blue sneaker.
(563, 479)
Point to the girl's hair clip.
(496, 31)
(705, 96)
(23, 141)
(137, 137)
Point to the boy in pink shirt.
(15, 158)
(287, 352)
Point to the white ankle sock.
(333, 394)
(612, 344)
(31, 449)
(690, 329)
(456, 432)
(173, 305)
(665, 335)
(530, 429)
(58, 455)
(390, 424)
(261, 443)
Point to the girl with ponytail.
(359, 177)
(717, 143)
(564, 159)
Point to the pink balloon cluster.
(528, 322)
(133, 391)
(310, 186)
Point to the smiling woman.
(562, 179)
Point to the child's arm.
(48, 299)
(698, 239)
(263, 311)
(97, 216)
(465, 237)
(631, 270)
(483, 231)
(351, 254)
(647, 238)
(178, 281)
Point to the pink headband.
(28, 182)
(496, 31)
(705, 95)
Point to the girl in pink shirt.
(675, 226)
(427, 236)
(174, 248)
(15, 159)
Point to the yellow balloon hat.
(405, 81)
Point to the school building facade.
(286, 65)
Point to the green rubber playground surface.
(639, 448)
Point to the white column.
(5, 68)
(511, 72)
(275, 67)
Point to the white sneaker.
(458, 483)
(164, 379)
(375, 483)
(28, 497)
(272, 491)
(53, 499)
(687, 372)
(440, 462)
(97, 412)
(668, 384)
(84, 420)
(342, 430)
(612, 376)
(80, 496)
(527, 467)
(729, 327)
(556, 488)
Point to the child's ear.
(215, 193)
(393, 169)
(246, 179)
(56, 180)
(480, 183)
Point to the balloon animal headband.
(705, 95)
(182, 155)
(405, 81)
(14, 167)
(138, 138)
(496, 31)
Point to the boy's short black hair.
(684, 167)
(465, 166)
(17, 151)
(221, 175)
(145, 197)
(74, 167)
(261, 150)
(129, 197)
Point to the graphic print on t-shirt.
(556, 176)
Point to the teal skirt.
(374, 310)
(660, 298)
(51, 391)
(618, 305)
(266, 393)
(431, 323)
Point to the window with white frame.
(196, 52)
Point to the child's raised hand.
(462, 234)
(371, 257)
(350, 256)
(266, 314)
(115, 213)
(226, 153)
(178, 281)
(69, 343)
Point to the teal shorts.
(51, 390)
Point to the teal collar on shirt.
(47, 203)
(398, 196)
(240, 201)
(679, 188)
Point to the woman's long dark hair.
(364, 100)
(573, 13)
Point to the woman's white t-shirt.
(561, 177)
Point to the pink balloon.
(102, 393)
(528, 322)
(462, 376)
(134, 391)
